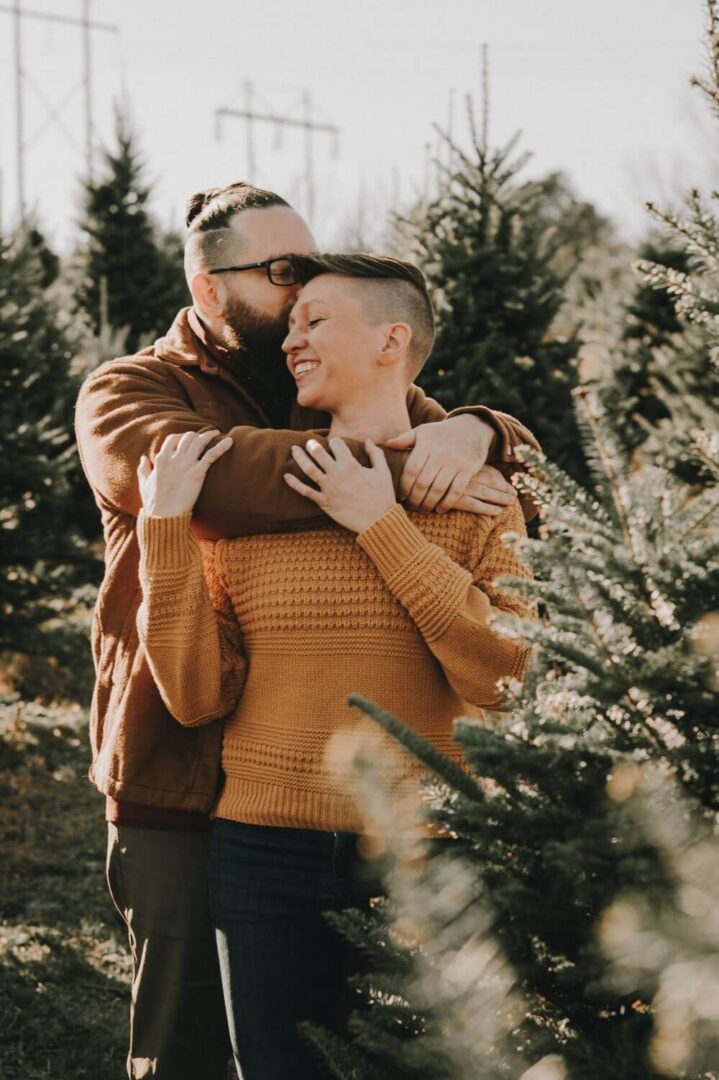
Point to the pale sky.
(600, 90)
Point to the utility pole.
(86, 25)
(19, 127)
(251, 171)
(305, 124)
(309, 160)
(450, 129)
(485, 96)
(87, 84)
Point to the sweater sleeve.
(186, 623)
(451, 605)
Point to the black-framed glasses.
(280, 271)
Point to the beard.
(255, 341)
(249, 331)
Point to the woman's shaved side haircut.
(391, 290)
(208, 216)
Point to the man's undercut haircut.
(391, 290)
(208, 217)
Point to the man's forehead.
(268, 232)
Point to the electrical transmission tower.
(304, 122)
(86, 24)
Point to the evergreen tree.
(44, 558)
(497, 253)
(130, 272)
(622, 680)
(48, 258)
(653, 341)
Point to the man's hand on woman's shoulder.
(447, 470)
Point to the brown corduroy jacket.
(125, 409)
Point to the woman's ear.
(398, 337)
(208, 294)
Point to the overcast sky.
(600, 90)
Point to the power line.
(306, 124)
(86, 24)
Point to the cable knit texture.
(275, 631)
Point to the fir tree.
(44, 558)
(496, 254)
(652, 339)
(671, 949)
(130, 272)
(628, 578)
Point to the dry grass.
(64, 967)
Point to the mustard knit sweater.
(275, 631)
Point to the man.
(219, 369)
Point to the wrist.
(371, 519)
(161, 510)
(480, 423)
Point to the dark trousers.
(281, 961)
(158, 882)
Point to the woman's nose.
(293, 341)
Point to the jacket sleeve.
(508, 435)
(126, 408)
(186, 623)
(452, 605)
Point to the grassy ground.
(64, 967)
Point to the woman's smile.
(304, 367)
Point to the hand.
(171, 487)
(445, 456)
(486, 493)
(352, 495)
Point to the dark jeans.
(281, 962)
(158, 881)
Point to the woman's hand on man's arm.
(351, 494)
(170, 486)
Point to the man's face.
(256, 311)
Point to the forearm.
(198, 679)
(509, 433)
(226, 508)
(450, 611)
(126, 410)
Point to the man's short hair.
(391, 290)
(208, 217)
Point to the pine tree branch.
(420, 747)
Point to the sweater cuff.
(165, 542)
(392, 541)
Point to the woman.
(275, 631)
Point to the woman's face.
(331, 347)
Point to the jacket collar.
(189, 344)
